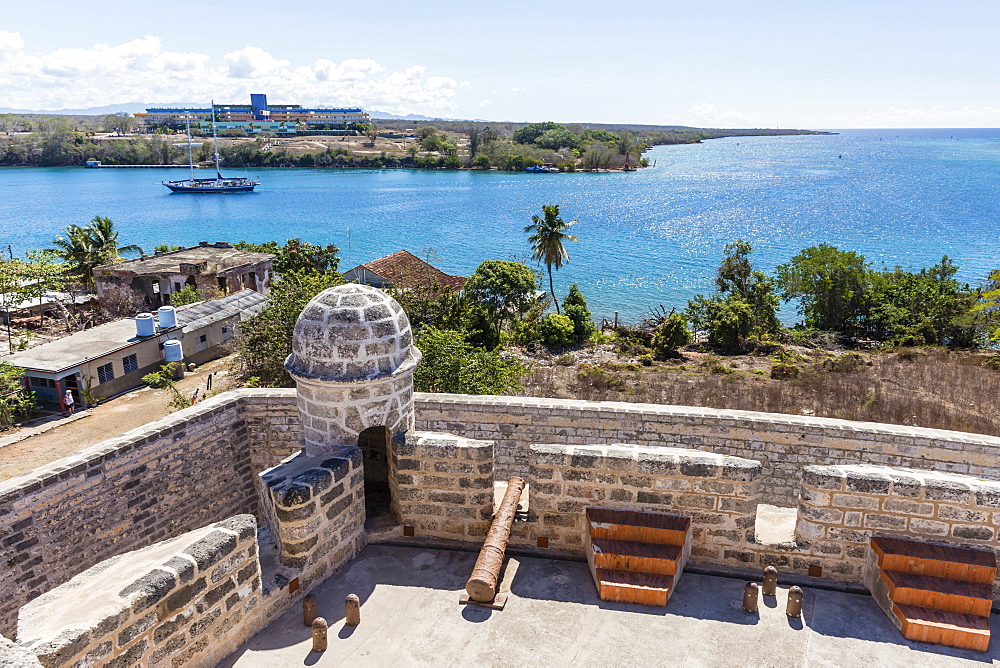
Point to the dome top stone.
(351, 333)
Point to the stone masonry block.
(949, 490)
(922, 527)
(823, 478)
(908, 507)
(548, 455)
(867, 483)
(156, 585)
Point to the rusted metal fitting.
(310, 609)
(750, 597)
(770, 587)
(352, 610)
(319, 629)
(794, 607)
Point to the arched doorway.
(374, 444)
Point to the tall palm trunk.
(552, 289)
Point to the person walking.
(69, 402)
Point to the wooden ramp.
(636, 556)
(933, 592)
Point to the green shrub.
(481, 162)
(714, 365)
(566, 360)
(786, 356)
(600, 379)
(575, 308)
(781, 371)
(451, 364)
(646, 360)
(671, 334)
(846, 363)
(909, 354)
(994, 362)
(557, 330)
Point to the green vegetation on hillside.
(50, 140)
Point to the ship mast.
(187, 124)
(215, 144)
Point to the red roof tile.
(405, 270)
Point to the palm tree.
(547, 239)
(90, 246)
(105, 239)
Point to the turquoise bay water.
(900, 197)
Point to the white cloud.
(937, 114)
(516, 90)
(485, 103)
(709, 112)
(254, 62)
(10, 41)
(142, 70)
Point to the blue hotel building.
(259, 115)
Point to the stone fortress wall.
(241, 460)
(784, 444)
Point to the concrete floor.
(410, 615)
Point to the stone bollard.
(310, 609)
(352, 610)
(794, 607)
(319, 634)
(750, 597)
(770, 587)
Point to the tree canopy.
(297, 255)
(502, 291)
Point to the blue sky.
(833, 64)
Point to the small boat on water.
(544, 168)
(220, 184)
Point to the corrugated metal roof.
(243, 303)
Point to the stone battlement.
(848, 480)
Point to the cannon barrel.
(483, 583)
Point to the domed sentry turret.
(353, 361)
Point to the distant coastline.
(31, 140)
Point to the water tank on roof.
(145, 325)
(167, 316)
(172, 351)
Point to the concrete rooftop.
(70, 351)
(410, 615)
(219, 257)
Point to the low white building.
(113, 358)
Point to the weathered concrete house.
(209, 267)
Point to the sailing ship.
(219, 184)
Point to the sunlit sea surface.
(900, 197)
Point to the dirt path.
(109, 419)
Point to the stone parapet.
(782, 443)
(173, 475)
(191, 599)
(719, 492)
(842, 507)
(442, 485)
